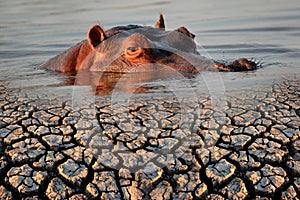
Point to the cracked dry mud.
(248, 148)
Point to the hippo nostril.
(184, 31)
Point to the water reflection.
(104, 83)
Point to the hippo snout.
(243, 64)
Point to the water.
(33, 31)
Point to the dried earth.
(248, 148)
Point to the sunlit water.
(265, 30)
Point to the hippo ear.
(160, 23)
(96, 35)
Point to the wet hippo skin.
(135, 48)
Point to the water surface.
(33, 31)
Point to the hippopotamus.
(135, 48)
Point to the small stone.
(297, 184)
(168, 124)
(251, 130)
(70, 120)
(289, 193)
(293, 161)
(295, 121)
(13, 133)
(86, 124)
(66, 130)
(236, 189)
(210, 137)
(237, 142)
(232, 112)
(245, 161)
(55, 142)
(201, 191)
(78, 197)
(57, 189)
(223, 121)
(192, 141)
(220, 172)
(184, 153)
(41, 131)
(106, 118)
(292, 133)
(129, 126)
(125, 177)
(262, 198)
(92, 190)
(294, 166)
(85, 137)
(183, 196)
(268, 179)
(5, 194)
(215, 197)
(211, 154)
(138, 143)
(18, 116)
(27, 150)
(79, 154)
(105, 182)
(111, 131)
(49, 160)
(247, 118)
(25, 179)
(107, 158)
(209, 124)
(58, 112)
(110, 195)
(187, 182)
(133, 192)
(3, 162)
(127, 137)
(73, 172)
(277, 132)
(148, 175)
(266, 150)
(153, 133)
(167, 143)
(31, 198)
(134, 161)
(161, 114)
(45, 118)
(162, 191)
(150, 123)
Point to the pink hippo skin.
(135, 48)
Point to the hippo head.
(136, 48)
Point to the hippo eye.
(133, 52)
